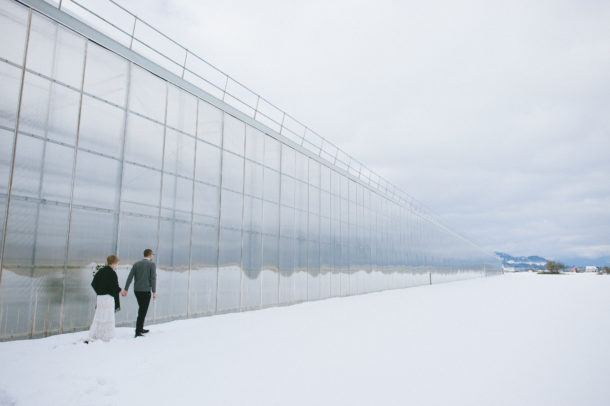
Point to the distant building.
(590, 268)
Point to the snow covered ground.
(518, 339)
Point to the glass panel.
(234, 135)
(314, 173)
(272, 185)
(135, 235)
(6, 139)
(144, 142)
(179, 153)
(206, 202)
(287, 228)
(31, 301)
(97, 181)
(252, 263)
(271, 218)
(232, 172)
(181, 110)
(10, 81)
(272, 153)
(286, 260)
(253, 214)
(36, 234)
(231, 210)
(88, 247)
(209, 125)
(288, 160)
(253, 183)
(255, 144)
(314, 200)
(42, 169)
(177, 197)
(55, 51)
(269, 274)
(302, 167)
(147, 94)
(229, 270)
(101, 127)
(208, 163)
(204, 260)
(13, 25)
(49, 110)
(106, 75)
(288, 190)
(173, 268)
(313, 271)
(325, 178)
(300, 274)
(141, 188)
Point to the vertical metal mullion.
(243, 208)
(188, 289)
(222, 146)
(122, 165)
(279, 222)
(74, 163)
(15, 138)
(161, 188)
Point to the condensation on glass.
(100, 156)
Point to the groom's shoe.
(138, 334)
(144, 331)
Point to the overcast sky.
(494, 114)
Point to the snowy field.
(518, 339)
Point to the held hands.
(154, 296)
(123, 293)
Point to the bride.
(106, 286)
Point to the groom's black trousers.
(143, 302)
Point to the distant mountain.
(522, 263)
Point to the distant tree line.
(554, 267)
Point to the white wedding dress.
(102, 326)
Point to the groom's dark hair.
(147, 252)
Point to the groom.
(145, 274)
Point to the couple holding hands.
(106, 286)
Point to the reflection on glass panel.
(181, 110)
(28, 167)
(204, 260)
(179, 153)
(87, 246)
(56, 174)
(313, 230)
(147, 94)
(302, 167)
(101, 127)
(253, 214)
(232, 172)
(325, 178)
(106, 75)
(286, 260)
(314, 288)
(288, 160)
(136, 233)
(314, 200)
(253, 183)
(272, 185)
(231, 209)
(55, 51)
(209, 124)
(288, 190)
(314, 172)
(234, 135)
(10, 80)
(287, 228)
(255, 144)
(36, 234)
(141, 190)
(97, 180)
(272, 153)
(144, 142)
(177, 197)
(252, 264)
(271, 218)
(229, 270)
(173, 267)
(301, 271)
(31, 301)
(206, 202)
(269, 275)
(13, 25)
(301, 198)
(208, 163)
(49, 110)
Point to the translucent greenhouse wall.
(100, 156)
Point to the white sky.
(494, 114)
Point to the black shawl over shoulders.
(106, 282)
